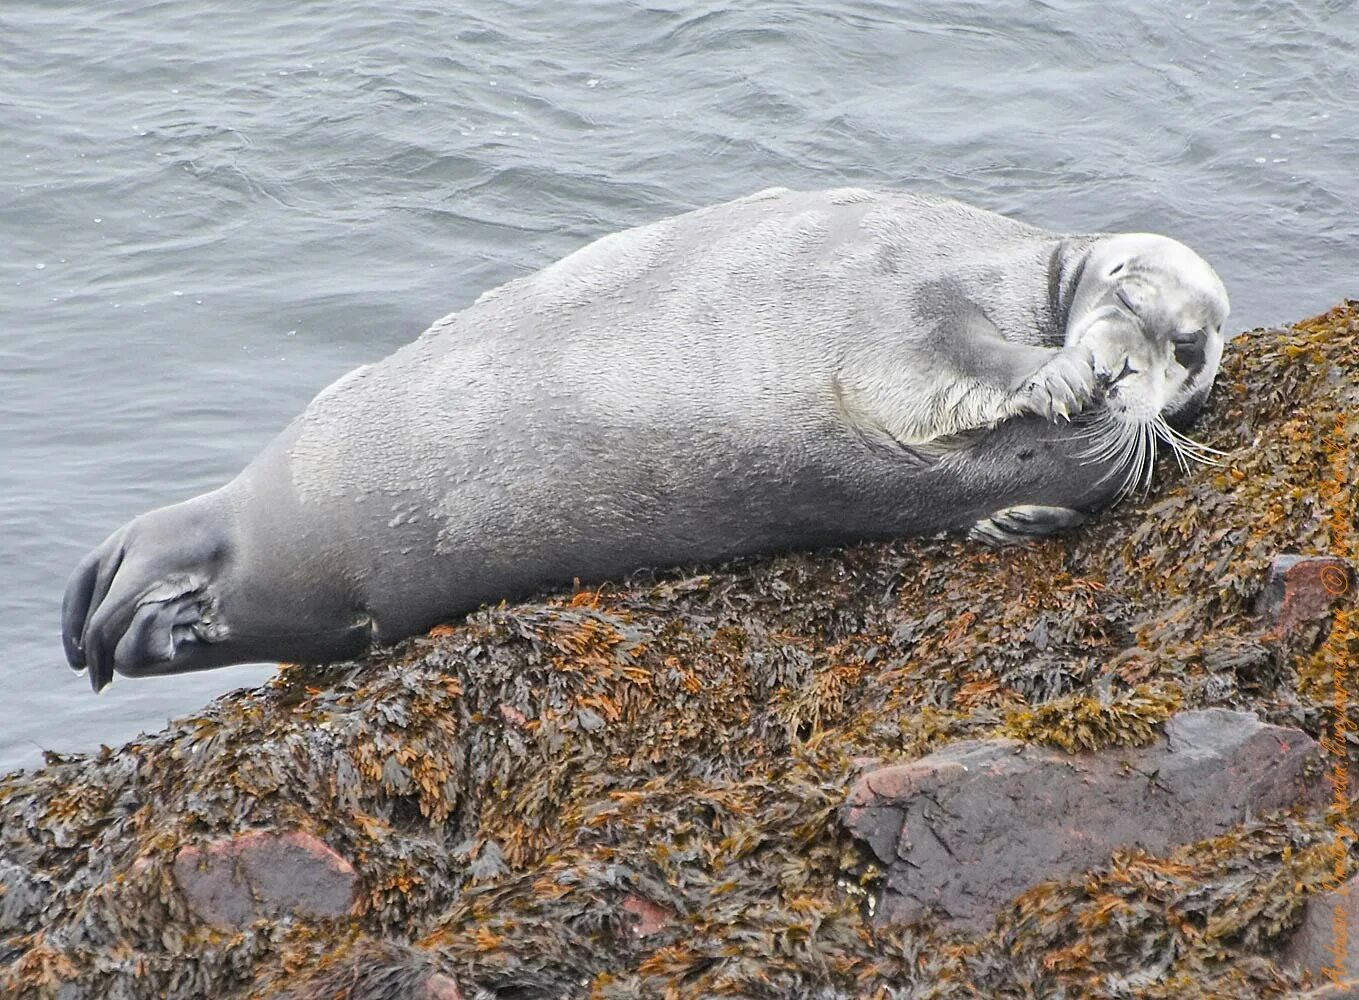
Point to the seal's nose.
(1110, 382)
(1190, 348)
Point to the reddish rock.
(1328, 937)
(963, 831)
(1300, 588)
(648, 917)
(440, 987)
(513, 716)
(233, 881)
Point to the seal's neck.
(1070, 254)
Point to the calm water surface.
(209, 210)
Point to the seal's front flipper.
(1024, 523)
(1065, 384)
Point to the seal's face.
(1150, 311)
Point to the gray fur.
(786, 370)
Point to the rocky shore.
(1112, 765)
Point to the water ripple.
(210, 211)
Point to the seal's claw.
(1064, 385)
(1023, 523)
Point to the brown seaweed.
(632, 790)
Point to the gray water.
(210, 210)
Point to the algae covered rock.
(635, 790)
(1301, 588)
(233, 881)
(963, 830)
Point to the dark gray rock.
(234, 881)
(22, 898)
(1301, 588)
(1328, 937)
(963, 831)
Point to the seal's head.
(1150, 310)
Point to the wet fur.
(790, 370)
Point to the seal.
(788, 370)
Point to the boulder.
(233, 881)
(962, 831)
(1326, 943)
(1300, 588)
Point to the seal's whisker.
(1149, 455)
(1191, 442)
(1124, 460)
(1141, 461)
(1116, 453)
(1125, 485)
(1196, 451)
(1106, 439)
(1092, 424)
(1182, 457)
(1136, 458)
(1084, 427)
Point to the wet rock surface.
(441, 987)
(965, 829)
(962, 831)
(636, 790)
(234, 881)
(1326, 944)
(22, 898)
(1302, 588)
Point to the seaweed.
(632, 790)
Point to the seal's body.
(788, 370)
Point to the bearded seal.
(788, 370)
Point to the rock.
(440, 987)
(233, 881)
(1328, 937)
(964, 830)
(513, 716)
(21, 899)
(1300, 588)
(648, 917)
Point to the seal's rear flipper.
(1023, 523)
(141, 602)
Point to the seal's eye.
(1189, 347)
